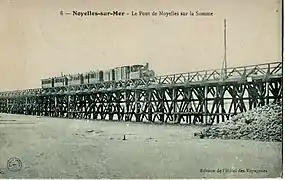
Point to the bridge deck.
(198, 97)
(241, 74)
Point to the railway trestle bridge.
(204, 97)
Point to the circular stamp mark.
(14, 164)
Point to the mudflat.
(69, 148)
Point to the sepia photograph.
(141, 89)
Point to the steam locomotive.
(116, 74)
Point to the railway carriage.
(109, 75)
(86, 78)
(76, 79)
(122, 73)
(60, 81)
(116, 74)
(48, 83)
(95, 77)
(125, 72)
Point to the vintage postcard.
(141, 89)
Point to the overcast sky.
(36, 41)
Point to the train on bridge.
(125, 93)
(123, 73)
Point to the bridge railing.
(266, 70)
